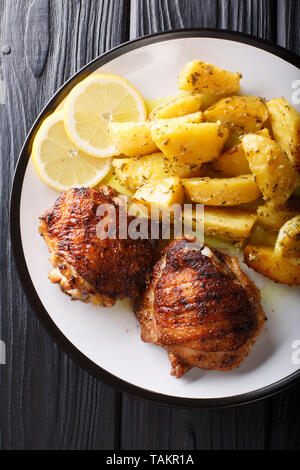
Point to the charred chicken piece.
(87, 267)
(201, 308)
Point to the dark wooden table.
(48, 402)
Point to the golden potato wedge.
(285, 122)
(133, 172)
(263, 237)
(297, 190)
(178, 106)
(222, 191)
(132, 138)
(229, 224)
(240, 114)
(232, 163)
(139, 211)
(232, 141)
(272, 169)
(162, 194)
(264, 133)
(226, 224)
(209, 99)
(274, 218)
(253, 205)
(190, 143)
(277, 268)
(113, 181)
(193, 118)
(288, 240)
(200, 77)
(152, 103)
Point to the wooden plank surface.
(250, 16)
(288, 21)
(48, 402)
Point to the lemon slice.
(92, 104)
(59, 162)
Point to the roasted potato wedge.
(285, 122)
(226, 224)
(264, 133)
(222, 191)
(272, 169)
(138, 210)
(200, 77)
(232, 163)
(274, 218)
(229, 224)
(113, 181)
(288, 240)
(152, 103)
(253, 205)
(297, 190)
(234, 139)
(278, 268)
(134, 172)
(209, 99)
(193, 118)
(132, 138)
(240, 114)
(190, 143)
(178, 106)
(162, 194)
(263, 237)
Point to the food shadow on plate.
(261, 352)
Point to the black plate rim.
(17, 248)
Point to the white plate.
(107, 341)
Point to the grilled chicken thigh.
(201, 308)
(87, 267)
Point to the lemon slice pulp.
(92, 104)
(59, 162)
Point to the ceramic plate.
(106, 342)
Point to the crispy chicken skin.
(200, 307)
(88, 268)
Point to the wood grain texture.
(288, 20)
(37, 36)
(283, 424)
(148, 426)
(47, 402)
(152, 16)
(249, 16)
(256, 17)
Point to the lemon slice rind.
(68, 163)
(116, 93)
